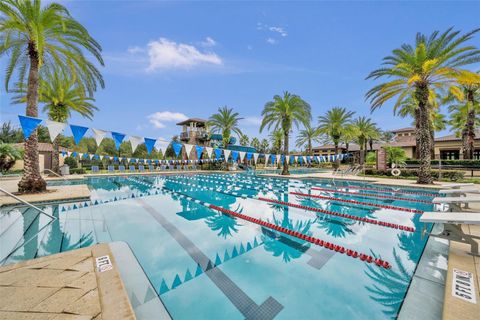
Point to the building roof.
(403, 129)
(188, 121)
(42, 147)
(454, 137)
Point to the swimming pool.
(236, 246)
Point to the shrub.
(78, 171)
(453, 175)
(459, 163)
(396, 155)
(8, 156)
(71, 162)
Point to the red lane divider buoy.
(380, 196)
(417, 193)
(343, 215)
(358, 202)
(340, 249)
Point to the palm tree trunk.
(285, 171)
(31, 180)
(469, 139)
(56, 156)
(423, 134)
(337, 160)
(417, 136)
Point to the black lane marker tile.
(247, 307)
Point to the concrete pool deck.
(67, 285)
(53, 194)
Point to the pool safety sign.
(463, 286)
(103, 263)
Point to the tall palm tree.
(276, 139)
(225, 121)
(334, 124)
(366, 130)
(61, 96)
(37, 38)
(244, 140)
(282, 113)
(464, 109)
(307, 136)
(434, 62)
(409, 108)
(255, 143)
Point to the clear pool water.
(209, 265)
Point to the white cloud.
(252, 120)
(158, 119)
(167, 54)
(209, 42)
(271, 41)
(279, 30)
(135, 50)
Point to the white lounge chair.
(456, 185)
(452, 229)
(460, 191)
(456, 202)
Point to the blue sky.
(170, 60)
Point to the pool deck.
(53, 194)
(64, 286)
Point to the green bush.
(462, 163)
(78, 171)
(453, 175)
(71, 162)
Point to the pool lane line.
(357, 202)
(319, 210)
(328, 245)
(386, 190)
(370, 195)
(246, 305)
(342, 215)
(405, 190)
(337, 248)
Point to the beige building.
(447, 147)
(45, 151)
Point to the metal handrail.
(26, 203)
(56, 174)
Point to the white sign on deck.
(103, 263)
(463, 286)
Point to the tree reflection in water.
(223, 223)
(389, 286)
(277, 245)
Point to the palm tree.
(244, 140)
(255, 143)
(61, 96)
(307, 136)
(37, 38)
(365, 131)
(276, 139)
(225, 121)
(409, 108)
(464, 112)
(433, 63)
(264, 145)
(282, 113)
(334, 124)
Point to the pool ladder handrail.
(55, 174)
(11, 195)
